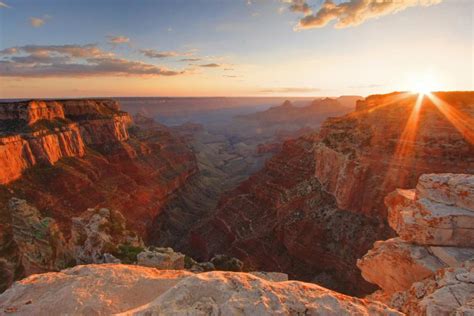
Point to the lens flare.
(424, 83)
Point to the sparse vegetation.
(127, 254)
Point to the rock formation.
(134, 290)
(41, 246)
(38, 245)
(161, 258)
(66, 156)
(317, 205)
(429, 268)
(33, 132)
(98, 234)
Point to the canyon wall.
(33, 132)
(84, 154)
(317, 205)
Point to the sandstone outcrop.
(33, 132)
(428, 270)
(317, 206)
(133, 290)
(41, 246)
(98, 234)
(395, 265)
(86, 154)
(420, 220)
(449, 291)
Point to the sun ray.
(406, 142)
(403, 154)
(463, 123)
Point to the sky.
(72, 48)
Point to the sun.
(423, 84)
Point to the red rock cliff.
(317, 206)
(34, 132)
(89, 158)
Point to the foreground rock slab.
(134, 290)
(449, 292)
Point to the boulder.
(395, 265)
(161, 258)
(424, 221)
(134, 290)
(227, 263)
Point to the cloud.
(9, 51)
(356, 12)
(77, 51)
(231, 76)
(151, 53)
(72, 61)
(118, 39)
(212, 65)
(38, 22)
(4, 5)
(190, 59)
(289, 90)
(298, 6)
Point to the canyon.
(66, 156)
(317, 206)
(229, 150)
(318, 192)
(416, 277)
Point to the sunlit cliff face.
(406, 144)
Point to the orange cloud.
(356, 12)
(118, 39)
(212, 65)
(38, 22)
(298, 6)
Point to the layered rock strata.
(428, 269)
(317, 205)
(33, 132)
(84, 154)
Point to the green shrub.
(127, 254)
